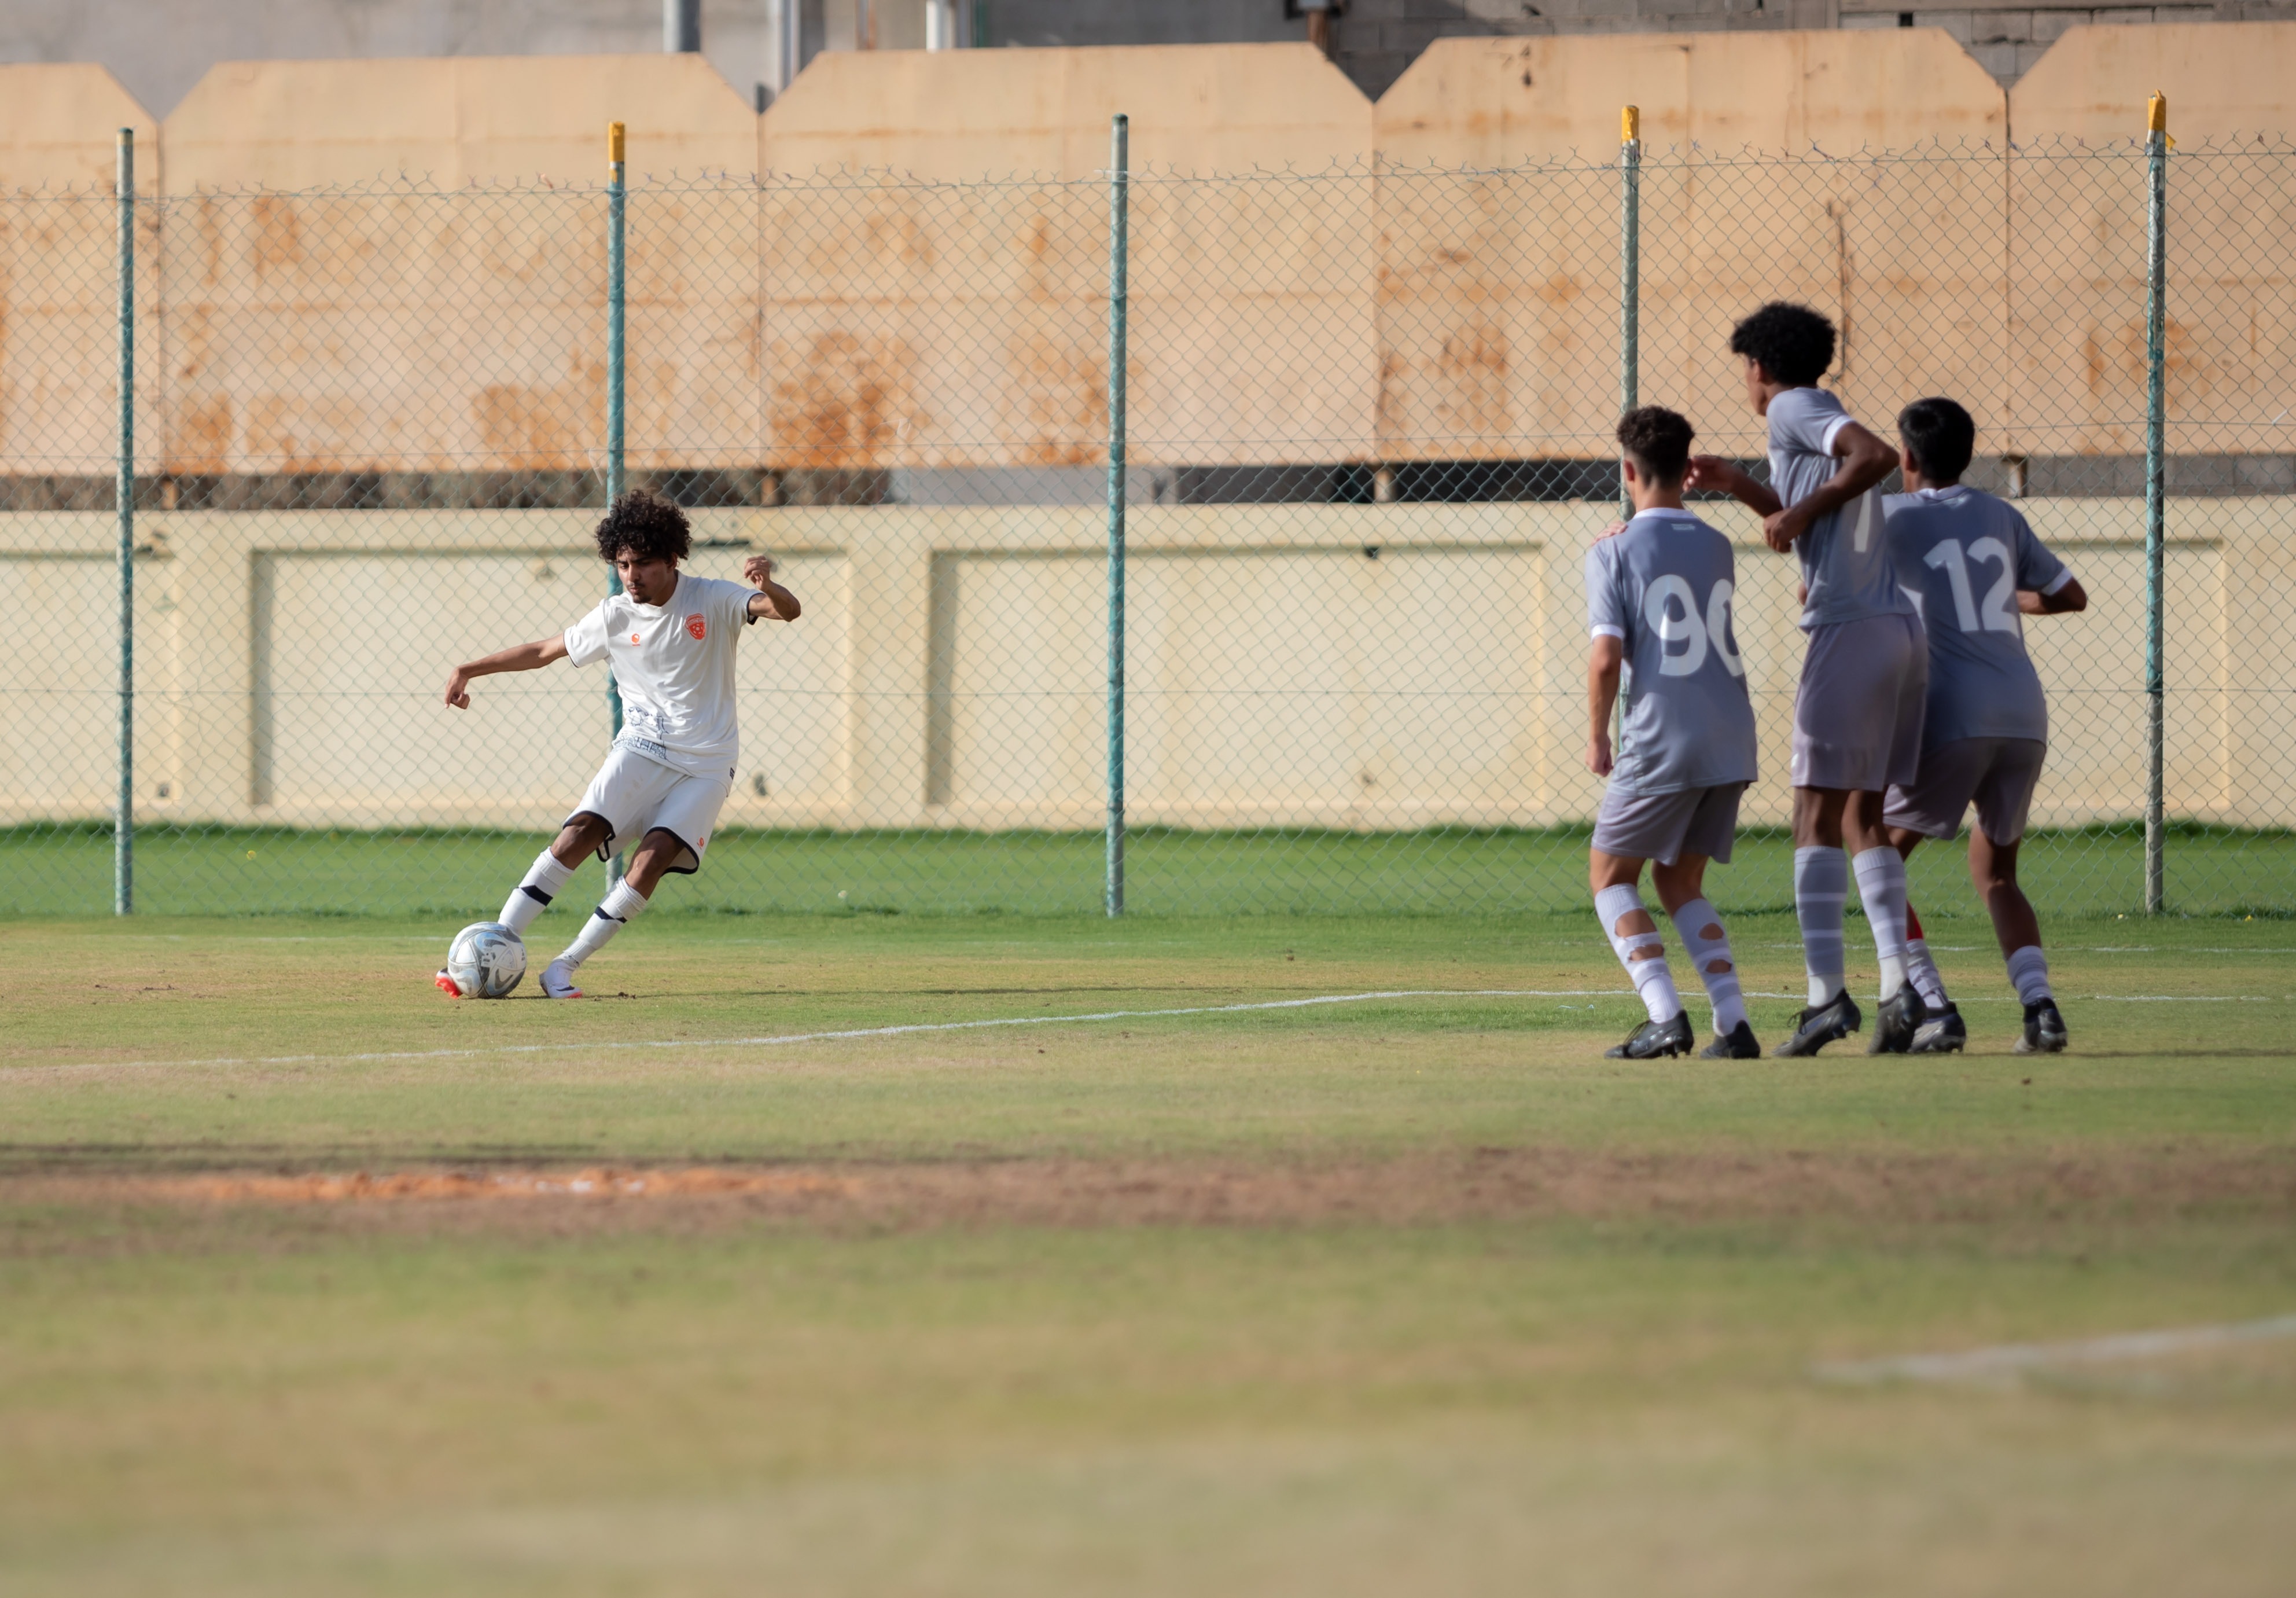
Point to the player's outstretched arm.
(771, 602)
(1602, 663)
(1710, 474)
(520, 657)
(2069, 597)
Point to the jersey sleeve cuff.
(1833, 431)
(2064, 578)
(1603, 629)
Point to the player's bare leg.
(1682, 889)
(656, 853)
(1993, 872)
(1616, 880)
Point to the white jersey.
(674, 666)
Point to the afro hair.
(1792, 343)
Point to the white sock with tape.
(1882, 884)
(1921, 971)
(616, 910)
(1641, 954)
(2028, 974)
(1700, 928)
(1820, 887)
(544, 878)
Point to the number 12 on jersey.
(1999, 613)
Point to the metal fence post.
(1630, 268)
(617, 296)
(2156, 156)
(123, 818)
(1118, 248)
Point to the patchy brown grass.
(2135, 1185)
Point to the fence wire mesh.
(1369, 440)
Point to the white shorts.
(634, 795)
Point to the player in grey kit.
(1974, 567)
(1659, 595)
(1857, 713)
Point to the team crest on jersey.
(695, 625)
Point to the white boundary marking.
(824, 1037)
(771, 1041)
(2014, 1359)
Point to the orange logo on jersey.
(695, 625)
(634, 638)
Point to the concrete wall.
(1358, 311)
(1370, 667)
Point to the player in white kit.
(669, 637)
(1858, 712)
(1659, 591)
(1974, 567)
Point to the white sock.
(619, 907)
(1882, 884)
(1821, 887)
(527, 900)
(1921, 971)
(2028, 974)
(1709, 955)
(1651, 978)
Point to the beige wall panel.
(58, 264)
(961, 116)
(453, 120)
(419, 330)
(2078, 209)
(948, 670)
(2224, 81)
(1251, 328)
(1499, 298)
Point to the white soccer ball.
(486, 960)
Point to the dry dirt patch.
(2154, 1184)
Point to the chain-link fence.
(1367, 421)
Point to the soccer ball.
(486, 961)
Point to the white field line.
(771, 1041)
(2014, 1359)
(775, 1039)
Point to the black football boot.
(1899, 1020)
(1943, 1032)
(1654, 1038)
(1838, 1017)
(1739, 1044)
(2045, 1029)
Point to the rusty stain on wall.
(1061, 399)
(845, 401)
(534, 428)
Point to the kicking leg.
(552, 870)
(1943, 1032)
(1615, 879)
(1682, 889)
(1993, 871)
(1820, 887)
(624, 903)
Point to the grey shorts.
(1664, 827)
(1999, 774)
(1857, 713)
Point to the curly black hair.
(1658, 441)
(647, 525)
(1940, 436)
(1793, 343)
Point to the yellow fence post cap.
(1630, 124)
(2156, 113)
(614, 142)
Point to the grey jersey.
(1962, 555)
(1664, 588)
(1845, 560)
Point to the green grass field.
(68, 871)
(1401, 1295)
